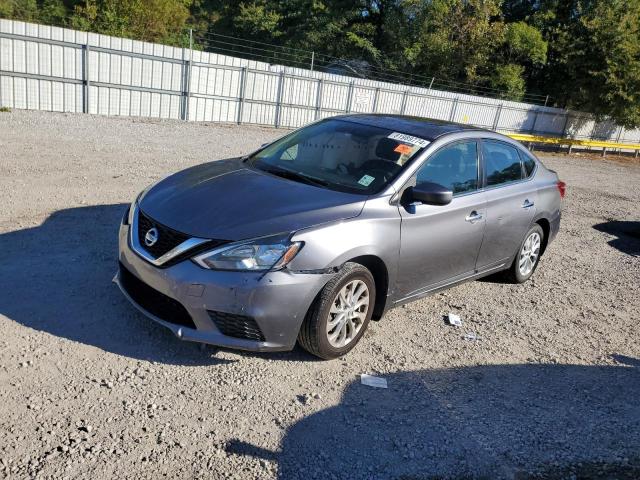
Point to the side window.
(454, 166)
(529, 164)
(501, 162)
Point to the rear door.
(441, 243)
(511, 202)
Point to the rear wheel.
(528, 256)
(340, 315)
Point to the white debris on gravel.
(544, 393)
(453, 319)
(471, 336)
(373, 381)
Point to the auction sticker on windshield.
(403, 137)
(366, 180)
(404, 149)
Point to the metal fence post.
(318, 99)
(189, 65)
(279, 99)
(375, 99)
(496, 119)
(566, 124)
(564, 130)
(349, 97)
(85, 78)
(403, 105)
(243, 82)
(620, 131)
(186, 94)
(313, 57)
(592, 135)
(454, 107)
(535, 120)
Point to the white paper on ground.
(454, 320)
(371, 381)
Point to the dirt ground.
(89, 388)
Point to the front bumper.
(276, 301)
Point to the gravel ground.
(89, 388)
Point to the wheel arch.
(380, 273)
(546, 229)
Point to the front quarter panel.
(376, 232)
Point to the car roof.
(426, 128)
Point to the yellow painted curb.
(523, 137)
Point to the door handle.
(527, 204)
(473, 217)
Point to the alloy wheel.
(348, 313)
(529, 254)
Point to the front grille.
(154, 302)
(237, 326)
(168, 239)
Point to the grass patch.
(5, 110)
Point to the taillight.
(562, 187)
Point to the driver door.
(440, 244)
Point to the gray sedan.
(312, 236)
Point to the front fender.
(375, 232)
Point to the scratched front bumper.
(277, 301)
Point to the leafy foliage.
(584, 53)
(149, 20)
(603, 61)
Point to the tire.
(516, 274)
(317, 336)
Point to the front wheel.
(528, 256)
(339, 316)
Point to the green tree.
(454, 39)
(523, 51)
(524, 44)
(603, 61)
(53, 12)
(26, 10)
(593, 57)
(509, 79)
(257, 20)
(149, 20)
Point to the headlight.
(271, 253)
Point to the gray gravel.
(91, 389)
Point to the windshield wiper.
(291, 175)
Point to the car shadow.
(57, 278)
(628, 234)
(527, 421)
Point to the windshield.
(340, 155)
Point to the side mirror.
(430, 194)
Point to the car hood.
(228, 201)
